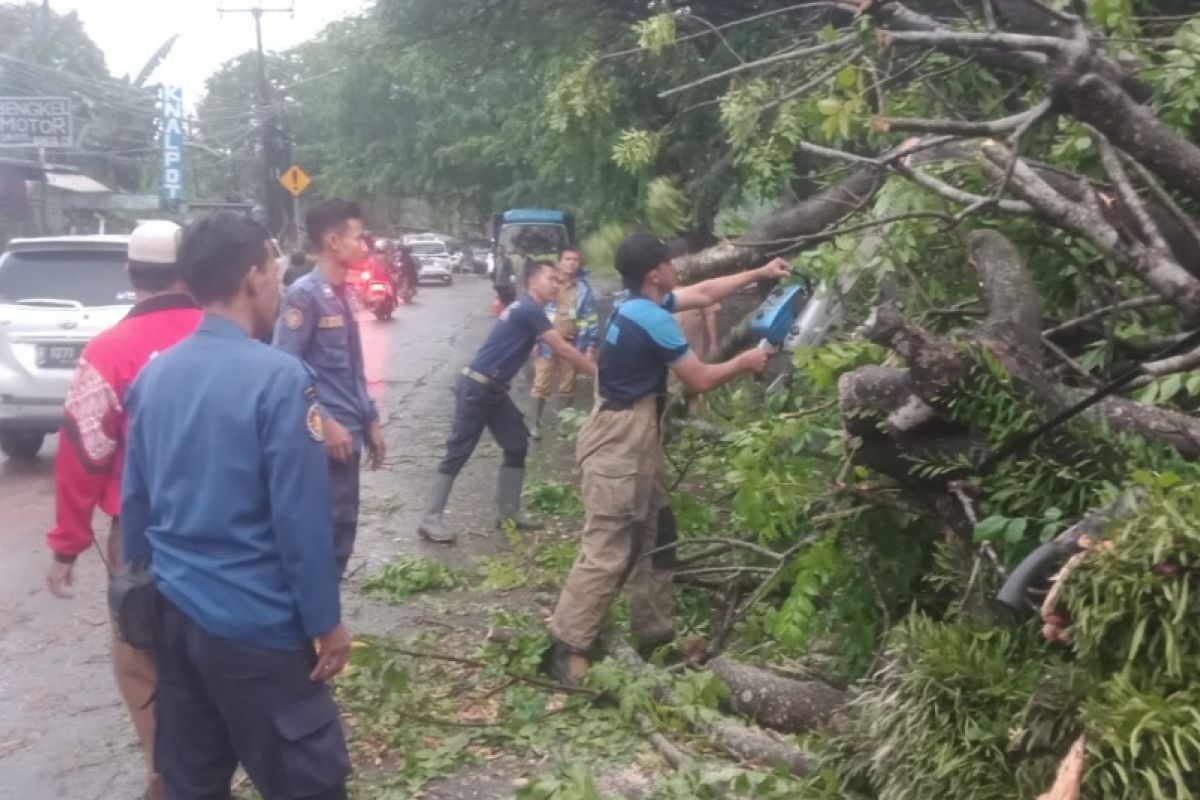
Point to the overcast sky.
(129, 31)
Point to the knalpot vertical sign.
(172, 141)
(35, 122)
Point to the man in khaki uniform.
(621, 456)
(573, 315)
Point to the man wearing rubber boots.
(482, 401)
(317, 325)
(620, 451)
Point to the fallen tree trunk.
(776, 702)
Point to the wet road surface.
(63, 730)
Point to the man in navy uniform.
(318, 326)
(226, 497)
(482, 401)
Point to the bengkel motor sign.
(172, 142)
(35, 122)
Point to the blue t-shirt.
(511, 340)
(641, 342)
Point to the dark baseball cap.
(641, 252)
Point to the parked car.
(481, 260)
(414, 238)
(434, 260)
(55, 295)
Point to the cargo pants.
(620, 453)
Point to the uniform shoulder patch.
(316, 428)
(293, 318)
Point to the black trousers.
(220, 702)
(478, 406)
(344, 482)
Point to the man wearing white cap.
(91, 449)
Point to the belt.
(627, 405)
(479, 377)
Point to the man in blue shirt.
(317, 325)
(620, 451)
(226, 497)
(482, 401)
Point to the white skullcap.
(155, 242)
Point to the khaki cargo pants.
(624, 489)
(550, 371)
(134, 671)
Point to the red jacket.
(91, 442)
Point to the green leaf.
(1014, 530)
(989, 528)
(1170, 387)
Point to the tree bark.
(776, 702)
(760, 747)
(1135, 129)
(744, 742)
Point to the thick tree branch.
(896, 18)
(954, 40)
(1013, 301)
(1157, 269)
(1129, 195)
(1135, 129)
(810, 216)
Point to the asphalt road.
(63, 730)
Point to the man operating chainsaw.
(621, 455)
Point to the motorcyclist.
(407, 267)
(380, 265)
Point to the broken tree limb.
(806, 218)
(744, 742)
(1135, 129)
(898, 17)
(773, 701)
(1158, 270)
(1012, 298)
(760, 747)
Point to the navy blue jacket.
(226, 489)
(317, 325)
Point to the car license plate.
(58, 356)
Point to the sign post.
(35, 122)
(295, 180)
(172, 142)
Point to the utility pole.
(272, 198)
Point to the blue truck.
(533, 232)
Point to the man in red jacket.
(91, 443)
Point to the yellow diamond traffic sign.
(295, 180)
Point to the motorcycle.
(380, 299)
(406, 289)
